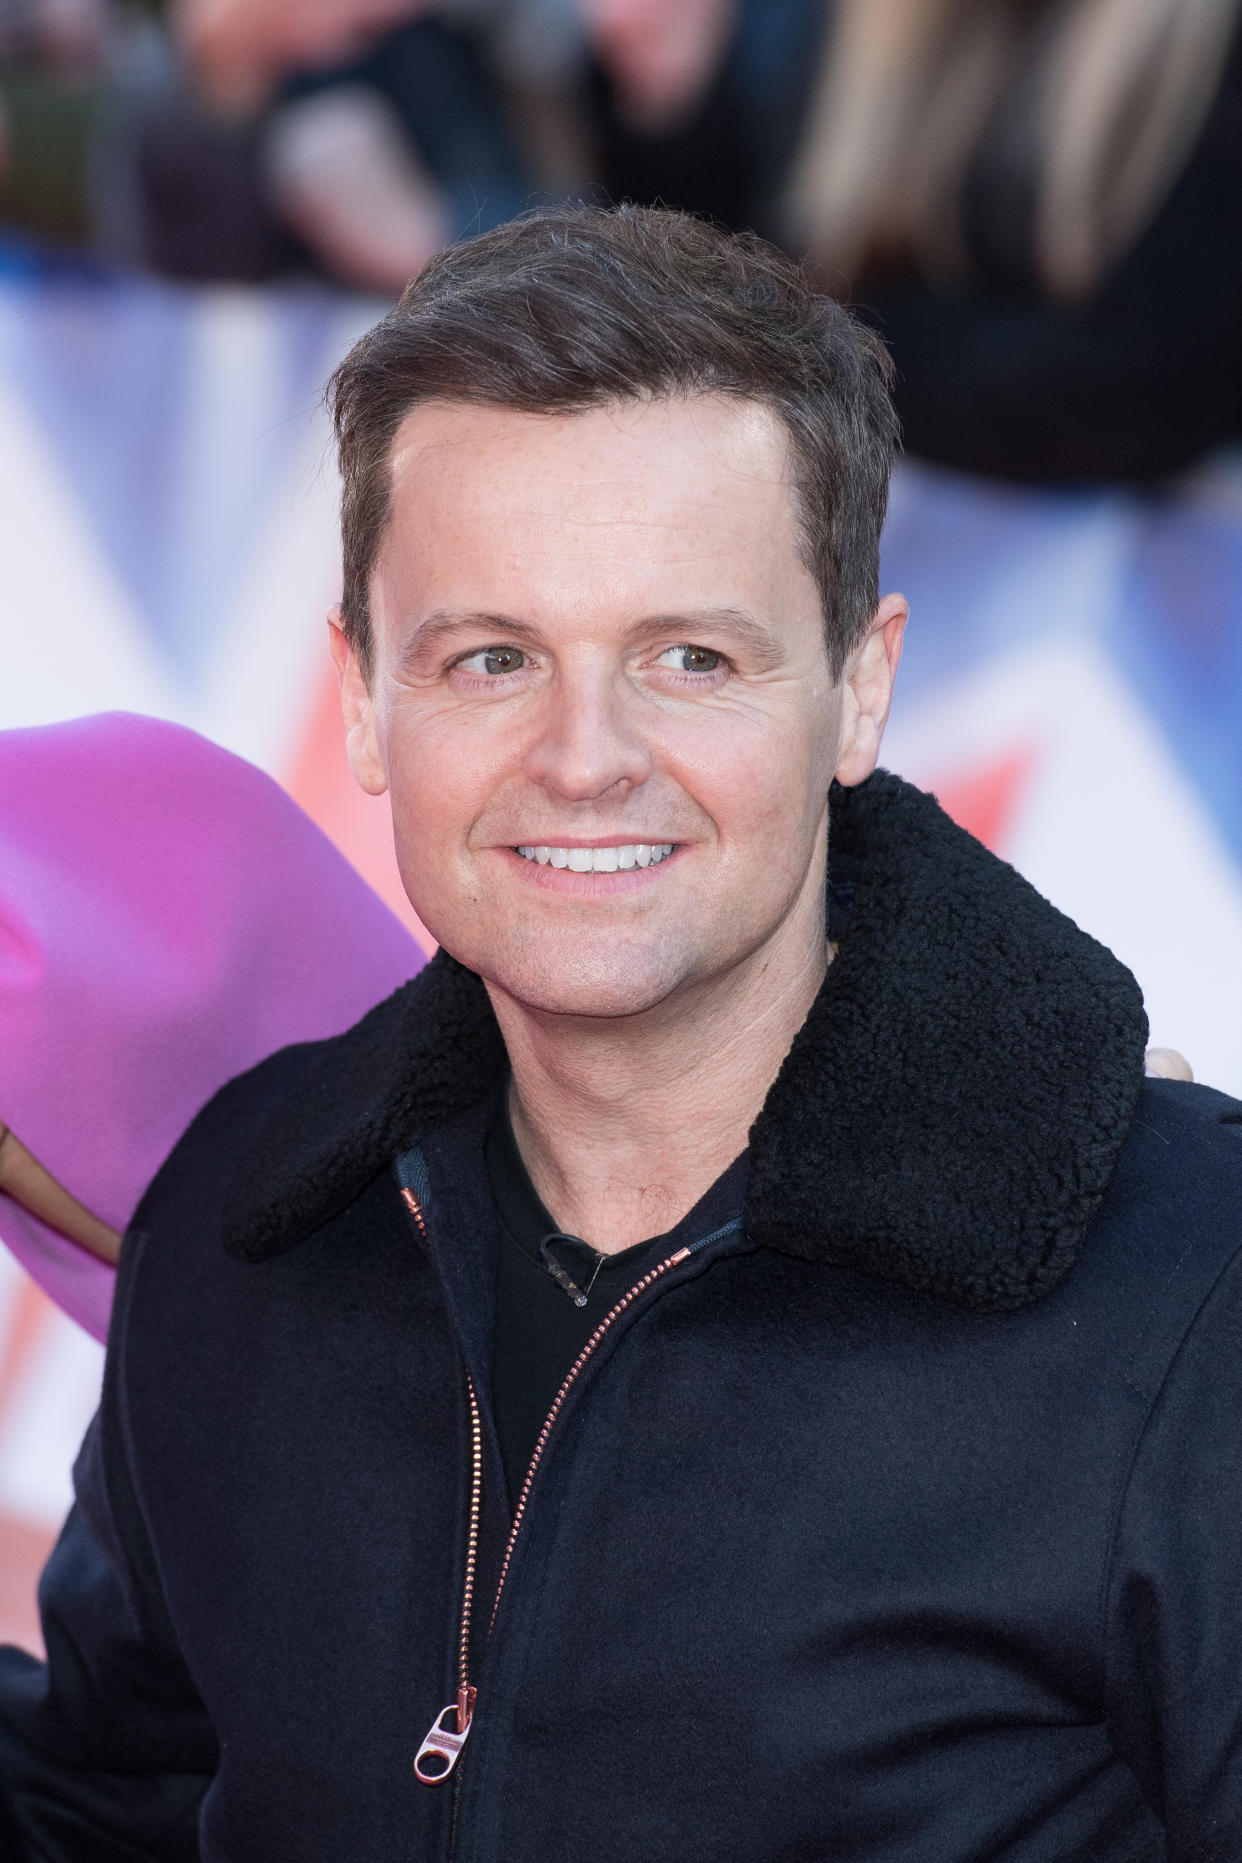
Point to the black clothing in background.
(1136, 383)
(728, 159)
(540, 1329)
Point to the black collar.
(948, 1116)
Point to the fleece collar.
(948, 1116)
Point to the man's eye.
(690, 659)
(495, 660)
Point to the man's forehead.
(707, 435)
(634, 508)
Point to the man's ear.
(867, 690)
(361, 739)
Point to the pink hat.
(167, 918)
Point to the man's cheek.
(760, 799)
(427, 785)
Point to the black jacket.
(902, 1523)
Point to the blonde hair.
(1113, 93)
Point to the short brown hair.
(571, 308)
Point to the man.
(699, 1373)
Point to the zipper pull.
(441, 1750)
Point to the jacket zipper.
(443, 1745)
(439, 1752)
(571, 1377)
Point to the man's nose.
(590, 741)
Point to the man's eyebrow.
(444, 623)
(745, 629)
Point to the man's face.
(593, 634)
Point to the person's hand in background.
(346, 179)
(1167, 1064)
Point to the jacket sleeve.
(1175, 1608)
(106, 1750)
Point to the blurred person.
(379, 163)
(370, 135)
(207, 141)
(338, 172)
(67, 68)
(1038, 205)
(107, 152)
(661, 57)
(241, 50)
(701, 106)
(456, 118)
(738, 1328)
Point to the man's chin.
(606, 999)
(603, 985)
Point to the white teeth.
(600, 859)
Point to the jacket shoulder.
(1171, 1223)
(203, 1161)
(1184, 1145)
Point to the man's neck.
(625, 1122)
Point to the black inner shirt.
(542, 1322)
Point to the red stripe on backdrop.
(23, 1545)
(985, 799)
(30, 1308)
(321, 781)
(23, 1554)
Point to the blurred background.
(1039, 204)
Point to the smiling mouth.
(600, 859)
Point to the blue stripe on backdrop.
(1154, 581)
(171, 414)
(1178, 635)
